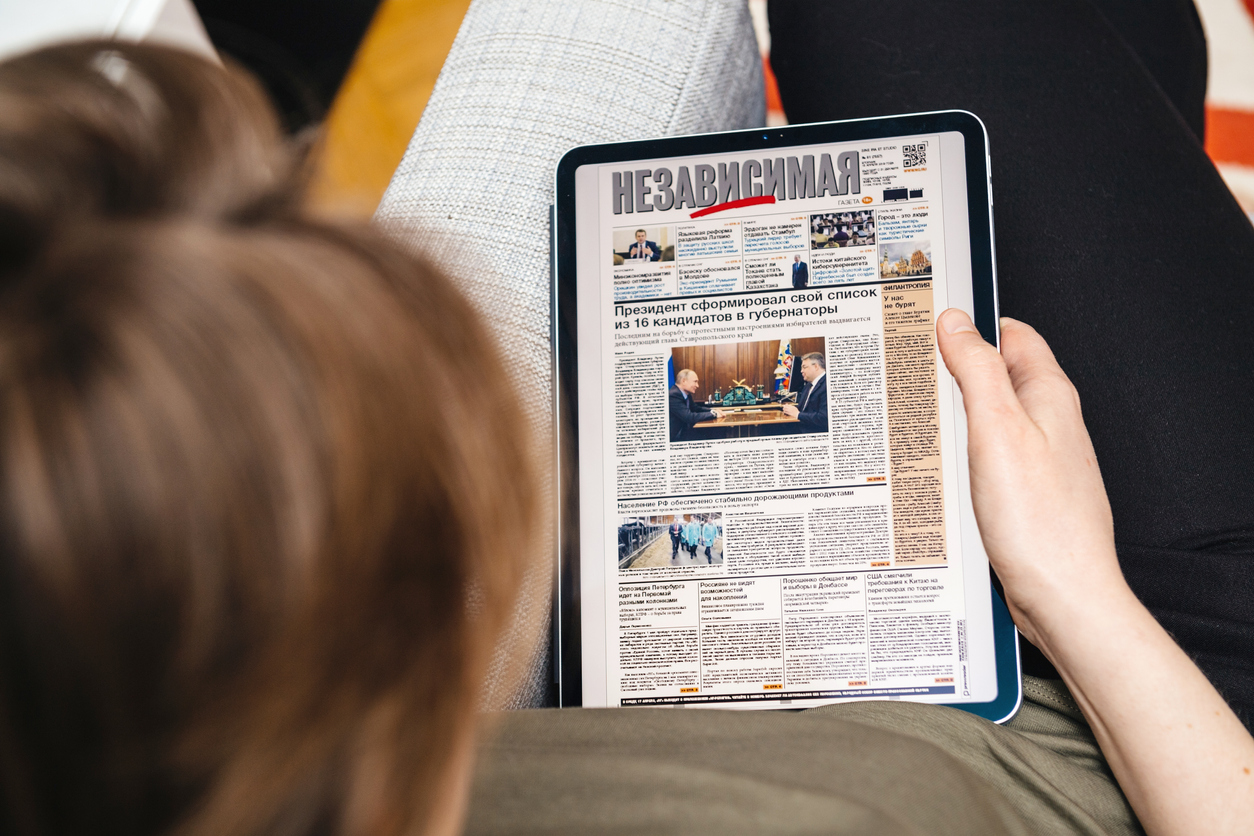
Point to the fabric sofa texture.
(525, 81)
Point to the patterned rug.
(1229, 28)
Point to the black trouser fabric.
(1116, 239)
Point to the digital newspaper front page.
(781, 472)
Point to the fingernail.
(954, 321)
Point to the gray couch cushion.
(526, 81)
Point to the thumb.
(977, 366)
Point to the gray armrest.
(526, 81)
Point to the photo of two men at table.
(747, 389)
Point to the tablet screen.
(772, 456)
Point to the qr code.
(915, 155)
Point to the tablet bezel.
(567, 662)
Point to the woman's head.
(246, 460)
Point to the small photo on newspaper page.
(752, 389)
(831, 230)
(643, 261)
(671, 541)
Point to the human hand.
(1038, 495)
(1180, 754)
(791, 410)
(718, 413)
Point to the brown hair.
(265, 499)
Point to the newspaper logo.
(914, 156)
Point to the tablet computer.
(766, 499)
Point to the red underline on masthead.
(733, 204)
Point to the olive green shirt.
(871, 767)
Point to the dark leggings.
(1116, 239)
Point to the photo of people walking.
(671, 540)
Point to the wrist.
(1077, 631)
(1064, 612)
